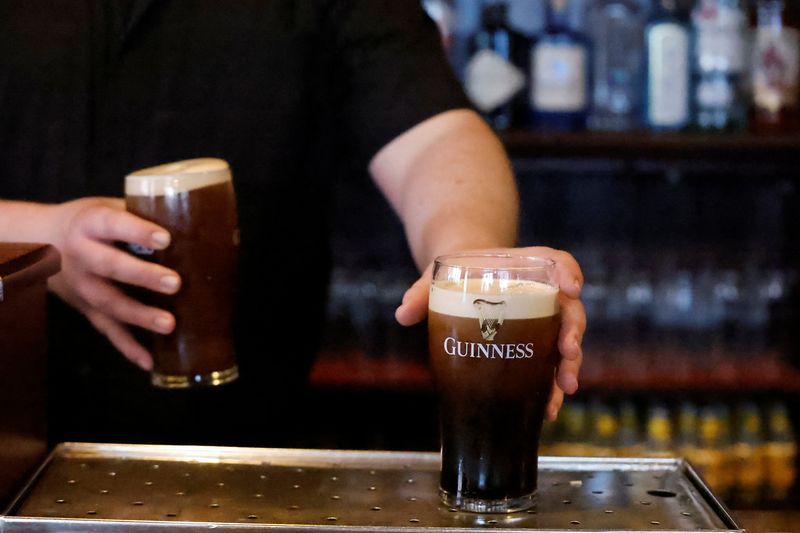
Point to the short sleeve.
(391, 72)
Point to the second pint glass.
(493, 330)
(194, 200)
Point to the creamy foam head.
(181, 176)
(523, 298)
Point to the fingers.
(414, 308)
(555, 403)
(104, 298)
(568, 272)
(567, 374)
(109, 262)
(107, 223)
(122, 340)
(573, 327)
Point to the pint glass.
(194, 200)
(493, 330)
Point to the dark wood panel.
(772, 148)
(606, 368)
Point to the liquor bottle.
(629, 441)
(575, 441)
(666, 40)
(718, 65)
(605, 427)
(659, 432)
(686, 440)
(559, 88)
(776, 68)
(748, 455)
(616, 28)
(714, 448)
(443, 14)
(494, 78)
(780, 452)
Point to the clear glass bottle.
(629, 439)
(659, 432)
(780, 452)
(616, 28)
(559, 94)
(719, 65)
(495, 76)
(748, 454)
(686, 439)
(667, 80)
(713, 456)
(605, 428)
(776, 68)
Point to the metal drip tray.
(89, 487)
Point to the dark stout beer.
(195, 201)
(494, 354)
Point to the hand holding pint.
(493, 329)
(194, 200)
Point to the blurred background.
(655, 140)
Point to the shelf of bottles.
(774, 149)
(671, 322)
(745, 450)
(626, 65)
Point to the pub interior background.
(689, 245)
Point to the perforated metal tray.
(89, 487)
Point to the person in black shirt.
(284, 90)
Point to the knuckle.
(105, 265)
(105, 219)
(97, 322)
(104, 303)
(72, 239)
(85, 289)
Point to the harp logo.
(490, 317)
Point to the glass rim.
(541, 263)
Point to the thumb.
(414, 308)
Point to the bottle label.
(720, 37)
(668, 75)
(491, 81)
(776, 67)
(559, 77)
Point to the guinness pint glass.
(195, 202)
(493, 329)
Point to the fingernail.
(170, 283)
(160, 239)
(146, 364)
(577, 284)
(164, 324)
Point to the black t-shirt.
(284, 90)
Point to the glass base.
(213, 379)
(480, 505)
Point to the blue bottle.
(667, 78)
(560, 63)
(495, 77)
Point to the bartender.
(286, 91)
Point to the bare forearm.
(451, 184)
(26, 221)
